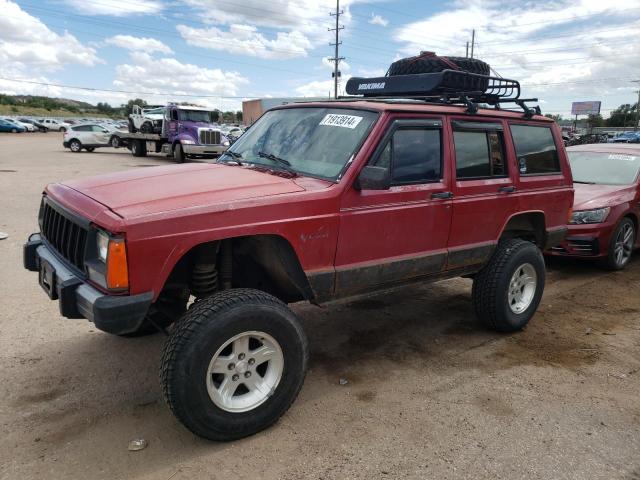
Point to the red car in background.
(606, 205)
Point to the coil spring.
(204, 280)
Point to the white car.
(53, 124)
(146, 120)
(88, 136)
(27, 126)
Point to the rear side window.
(535, 149)
(82, 128)
(414, 155)
(479, 152)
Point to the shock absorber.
(204, 275)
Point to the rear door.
(483, 190)
(392, 236)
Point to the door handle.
(443, 195)
(509, 189)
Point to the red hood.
(145, 191)
(589, 196)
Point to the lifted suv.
(315, 202)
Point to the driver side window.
(413, 154)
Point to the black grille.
(67, 237)
(209, 137)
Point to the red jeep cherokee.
(316, 201)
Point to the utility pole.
(637, 125)
(467, 51)
(336, 59)
(473, 40)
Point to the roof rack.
(454, 87)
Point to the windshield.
(604, 168)
(196, 116)
(312, 141)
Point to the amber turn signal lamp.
(117, 270)
(570, 215)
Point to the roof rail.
(446, 87)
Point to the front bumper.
(590, 240)
(77, 299)
(216, 150)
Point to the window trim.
(516, 156)
(409, 124)
(478, 127)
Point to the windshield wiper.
(586, 183)
(236, 156)
(273, 158)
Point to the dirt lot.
(430, 393)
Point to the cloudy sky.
(217, 52)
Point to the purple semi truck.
(177, 131)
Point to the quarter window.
(535, 149)
(479, 154)
(414, 155)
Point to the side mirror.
(373, 178)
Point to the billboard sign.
(585, 108)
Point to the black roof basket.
(447, 86)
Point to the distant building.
(253, 109)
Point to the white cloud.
(144, 44)
(378, 20)
(146, 73)
(116, 8)
(245, 40)
(27, 44)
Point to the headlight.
(102, 241)
(226, 143)
(597, 215)
(186, 141)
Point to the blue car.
(7, 126)
(627, 137)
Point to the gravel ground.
(430, 393)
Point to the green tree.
(623, 116)
(239, 116)
(595, 120)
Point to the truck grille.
(68, 238)
(209, 137)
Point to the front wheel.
(621, 245)
(234, 364)
(507, 291)
(75, 146)
(115, 141)
(178, 153)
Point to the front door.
(484, 193)
(392, 236)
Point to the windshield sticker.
(626, 158)
(346, 121)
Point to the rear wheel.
(62, 129)
(89, 149)
(139, 148)
(132, 127)
(146, 127)
(115, 141)
(234, 364)
(621, 245)
(75, 146)
(507, 291)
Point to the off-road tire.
(167, 309)
(132, 127)
(610, 262)
(146, 127)
(491, 285)
(178, 153)
(139, 148)
(201, 332)
(421, 64)
(75, 146)
(114, 141)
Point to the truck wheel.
(115, 141)
(146, 127)
(75, 146)
(507, 291)
(621, 245)
(234, 364)
(178, 153)
(139, 148)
